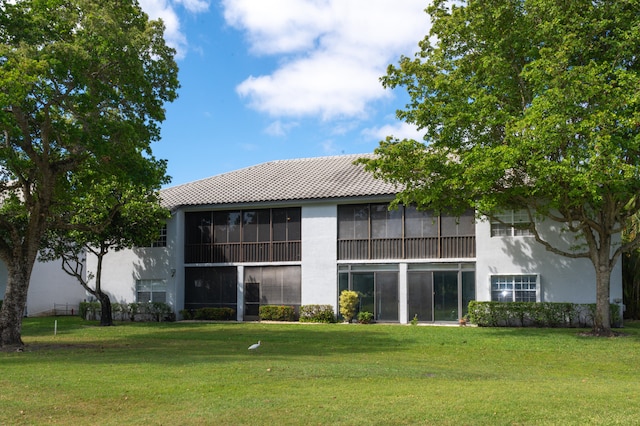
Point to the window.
(385, 223)
(198, 227)
(286, 224)
(210, 287)
(256, 235)
(372, 231)
(151, 291)
(279, 285)
(226, 227)
(377, 287)
(514, 288)
(255, 226)
(162, 238)
(353, 222)
(420, 223)
(510, 224)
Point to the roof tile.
(282, 180)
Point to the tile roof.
(282, 180)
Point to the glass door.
(251, 301)
(445, 296)
(420, 295)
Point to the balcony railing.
(408, 248)
(277, 251)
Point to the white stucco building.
(297, 232)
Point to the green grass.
(197, 374)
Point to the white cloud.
(194, 6)
(329, 147)
(278, 128)
(332, 52)
(399, 130)
(166, 10)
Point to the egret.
(254, 346)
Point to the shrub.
(159, 311)
(348, 304)
(277, 313)
(365, 317)
(186, 314)
(414, 320)
(119, 311)
(89, 310)
(317, 313)
(539, 314)
(214, 314)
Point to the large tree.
(527, 104)
(82, 86)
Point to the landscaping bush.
(155, 311)
(213, 314)
(277, 313)
(89, 310)
(365, 317)
(537, 314)
(317, 313)
(348, 304)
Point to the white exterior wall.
(122, 269)
(319, 254)
(49, 286)
(561, 279)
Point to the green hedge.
(152, 311)
(277, 313)
(317, 313)
(536, 314)
(209, 314)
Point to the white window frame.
(515, 283)
(503, 224)
(151, 286)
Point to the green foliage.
(156, 311)
(277, 313)
(348, 304)
(365, 317)
(317, 313)
(186, 314)
(414, 320)
(544, 314)
(526, 104)
(82, 94)
(209, 314)
(89, 310)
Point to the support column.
(240, 290)
(402, 290)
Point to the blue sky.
(265, 80)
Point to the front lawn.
(197, 374)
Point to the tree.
(631, 271)
(82, 87)
(112, 216)
(528, 104)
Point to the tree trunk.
(602, 320)
(14, 305)
(106, 319)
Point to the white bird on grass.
(254, 346)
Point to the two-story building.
(297, 232)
